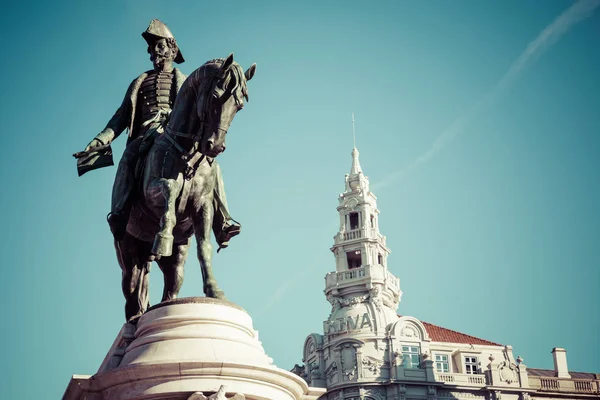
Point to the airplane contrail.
(579, 11)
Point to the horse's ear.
(227, 63)
(250, 72)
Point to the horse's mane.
(209, 70)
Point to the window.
(471, 365)
(372, 221)
(353, 220)
(411, 357)
(441, 363)
(354, 259)
(379, 259)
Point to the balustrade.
(461, 379)
(359, 234)
(355, 234)
(445, 378)
(377, 273)
(476, 379)
(584, 386)
(549, 383)
(554, 384)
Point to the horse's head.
(222, 98)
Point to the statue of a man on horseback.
(147, 105)
(168, 185)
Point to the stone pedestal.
(187, 346)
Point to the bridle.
(188, 156)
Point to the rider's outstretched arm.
(119, 121)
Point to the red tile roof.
(445, 335)
(439, 334)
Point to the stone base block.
(187, 346)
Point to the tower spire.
(355, 164)
(353, 132)
(361, 273)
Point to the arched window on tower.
(354, 258)
(353, 216)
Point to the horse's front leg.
(202, 227)
(172, 268)
(163, 241)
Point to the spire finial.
(353, 131)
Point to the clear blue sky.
(496, 234)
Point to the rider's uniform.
(148, 101)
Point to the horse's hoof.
(163, 245)
(154, 257)
(215, 294)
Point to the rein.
(188, 156)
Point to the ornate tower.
(364, 295)
(368, 352)
(360, 250)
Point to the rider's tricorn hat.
(158, 29)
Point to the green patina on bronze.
(168, 185)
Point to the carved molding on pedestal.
(220, 395)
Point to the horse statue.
(176, 190)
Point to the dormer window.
(353, 220)
(471, 365)
(441, 363)
(354, 258)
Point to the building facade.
(369, 352)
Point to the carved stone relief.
(452, 394)
(376, 393)
(372, 365)
(409, 331)
(396, 358)
(310, 346)
(431, 393)
(402, 392)
(376, 299)
(315, 373)
(220, 395)
(349, 361)
(390, 304)
(335, 396)
(508, 372)
(366, 394)
(353, 301)
(331, 374)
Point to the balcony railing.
(553, 384)
(351, 235)
(376, 273)
(354, 234)
(461, 379)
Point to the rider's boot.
(117, 221)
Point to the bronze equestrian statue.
(145, 108)
(179, 189)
